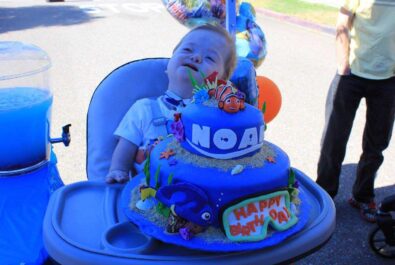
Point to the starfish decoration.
(166, 154)
(271, 159)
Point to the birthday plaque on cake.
(248, 220)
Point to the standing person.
(365, 45)
(202, 51)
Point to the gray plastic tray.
(84, 224)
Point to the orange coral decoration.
(177, 116)
(212, 81)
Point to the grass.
(318, 13)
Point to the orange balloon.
(269, 93)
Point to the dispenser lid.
(18, 59)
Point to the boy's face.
(201, 51)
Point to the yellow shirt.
(372, 38)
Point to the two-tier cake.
(215, 178)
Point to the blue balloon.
(250, 39)
(196, 12)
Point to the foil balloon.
(196, 12)
(250, 39)
(269, 94)
(244, 78)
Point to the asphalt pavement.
(86, 40)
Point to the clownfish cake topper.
(229, 98)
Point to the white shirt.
(136, 126)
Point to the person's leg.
(342, 102)
(380, 115)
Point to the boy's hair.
(230, 61)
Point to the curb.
(297, 21)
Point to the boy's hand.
(122, 161)
(117, 176)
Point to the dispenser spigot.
(66, 138)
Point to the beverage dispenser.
(25, 107)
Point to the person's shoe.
(367, 210)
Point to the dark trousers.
(343, 100)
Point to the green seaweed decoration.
(292, 190)
(146, 170)
(263, 111)
(196, 86)
(264, 107)
(170, 179)
(162, 209)
(291, 179)
(157, 178)
(194, 82)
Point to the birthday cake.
(215, 178)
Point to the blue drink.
(24, 126)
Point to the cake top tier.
(219, 124)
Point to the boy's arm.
(343, 26)
(122, 161)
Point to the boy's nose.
(196, 58)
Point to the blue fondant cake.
(216, 171)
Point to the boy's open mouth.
(191, 66)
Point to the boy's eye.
(210, 59)
(187, 49)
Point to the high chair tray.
(85, 224)
(214, 240)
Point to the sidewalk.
(297, 21)
(334, 3)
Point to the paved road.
(88, 39)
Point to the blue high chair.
(84, 223)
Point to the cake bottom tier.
(264, 173)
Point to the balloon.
(250, 39)
(195, 12)
(269, 93)
(244, 78)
